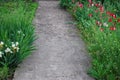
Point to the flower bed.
(16, 34)
(99, 25)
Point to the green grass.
(17, 34)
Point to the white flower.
(17, 43)
(2, 43)
(100, 24)
(105, 24)
(17, 49)
(92, 4)
(13, 45)
(19, 32)
(8, 50)
(1, 53)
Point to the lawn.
(16, 34)
(100, 26)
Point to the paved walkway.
(61, 53)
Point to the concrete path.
(61, 53)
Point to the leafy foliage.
(99, 24)
(16, 33)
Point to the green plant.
(16, 33)
(3, 72)
(65, 3)
(99, 25)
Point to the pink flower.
(80, 5)
(90, 1)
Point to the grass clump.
(16, 34)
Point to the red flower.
(101, 29)
(108, 13)
(90, 15)
(118, 20)
(113, 28)
(80, 5)
(97, 5)
(98, 23)
(110, 20)
(101, 9)
(113, 15)
(90, 1)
